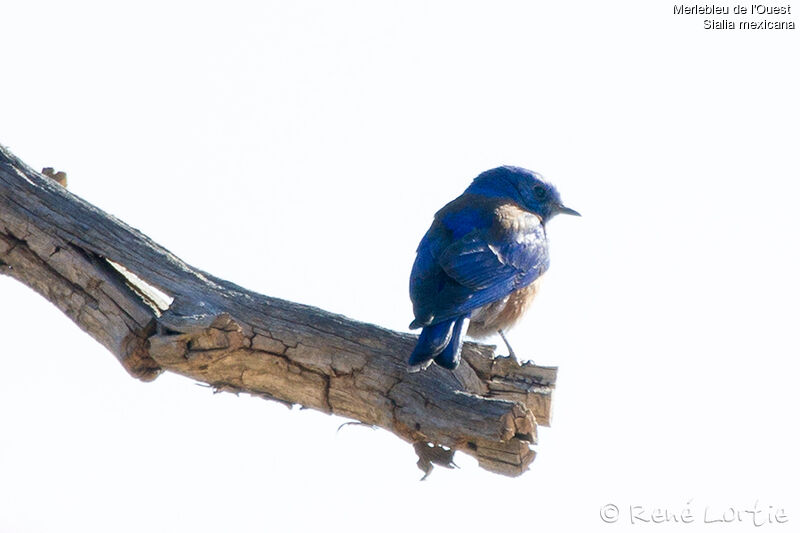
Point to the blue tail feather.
(432, 340)
(451, 355)
(441, 343)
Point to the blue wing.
(477, 251)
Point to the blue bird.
(478, 266)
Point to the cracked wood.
(107, 276)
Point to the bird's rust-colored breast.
(502, 314)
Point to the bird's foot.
(511, 353)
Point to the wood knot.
(59, 177)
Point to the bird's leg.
(505, 340)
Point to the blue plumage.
(477, 265)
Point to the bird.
(478, 267)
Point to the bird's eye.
(539, 192)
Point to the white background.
(300, 149)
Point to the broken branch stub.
(156, 313)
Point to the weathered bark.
(155, 313)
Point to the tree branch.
(155, 313)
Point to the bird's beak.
(567, 211)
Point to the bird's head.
(527, 188)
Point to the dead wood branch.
(102, 274)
